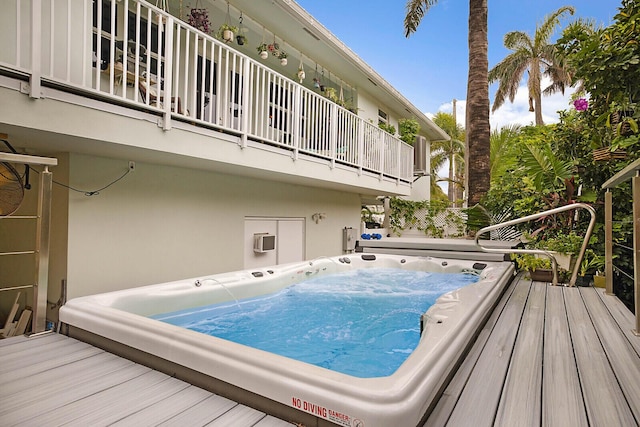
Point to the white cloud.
(518, 111)
(513, 113)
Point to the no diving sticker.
(326, 413)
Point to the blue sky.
(430, 67)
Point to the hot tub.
(120, 321)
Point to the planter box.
(599, 281)
(542, 275)
(605, 154)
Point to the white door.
(290, 241)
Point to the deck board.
(521, 399)
(623, 317)
(562, 402)
(201, 413)
(595, 372)
(76, 384)
(162, 411)
(619, 352)
(488, 375)
(547, 356)
(446, 403)
(573, 360)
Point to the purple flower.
(581, 104)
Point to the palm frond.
(544, 167)
(416, 9)
(548, 26)
(516, 40)
(508, 72)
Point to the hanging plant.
(262, 50)
(283, 57)
(199, 18)
(301, 74)
(274, 48)
(241, 38)
(226, 32)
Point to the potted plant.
(199, 18)
(226, 32)
(283, 57)
(591, 264)
(241, 39)
(539, 268)
(274, 48)
(301, 74)
(563, 246)
(262, 50)
(599, 280)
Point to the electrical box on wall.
(349, 237)
(264, 242)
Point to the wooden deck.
(53, 380)
(548, 356)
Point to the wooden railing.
(148, 59)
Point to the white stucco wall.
(164, 223)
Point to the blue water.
(363, 323)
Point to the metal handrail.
(554, 263)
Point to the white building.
(246, 145)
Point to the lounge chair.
(152, 96)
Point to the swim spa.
(279, 384)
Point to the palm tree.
(536, 56)
(477, 166)
(452, 151)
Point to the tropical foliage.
(451, 152)
(538, 57)
(606, 61)
(502, 153)
(408, 129)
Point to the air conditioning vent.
(420, 162)
(264, 242)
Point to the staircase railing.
(554, 262)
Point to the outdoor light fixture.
(319, 216)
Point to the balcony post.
(36, 48)
(381, 147)
(333, 132)
(360, 139)
(399, 161)
(168, 70)
(245, 102)
(296, 124)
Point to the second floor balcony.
(133, 54)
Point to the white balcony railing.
(132, 53)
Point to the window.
(382, 117)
